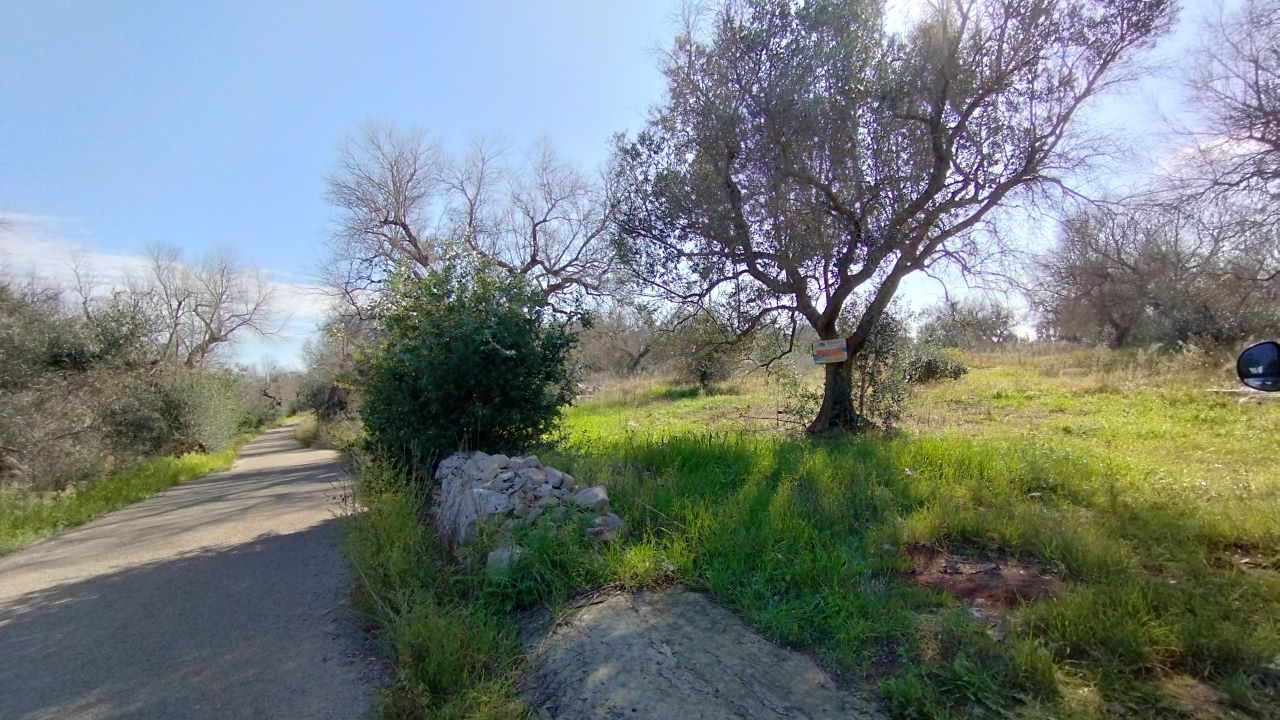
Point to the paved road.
(220, 598)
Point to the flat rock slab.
(675, 654)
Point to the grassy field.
(1147, 507)
(1153, 502)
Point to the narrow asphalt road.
(223, 597)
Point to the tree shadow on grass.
(803, 537)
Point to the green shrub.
(927, 363)
(469, 357)
(879, 373)
(184, 410)
(703, 350)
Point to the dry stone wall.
(477, 489)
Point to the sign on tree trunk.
(830, 351)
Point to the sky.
(213, 124)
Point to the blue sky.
(204, 124)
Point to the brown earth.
(995, 580)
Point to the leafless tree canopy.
(1236, 85)
(806, 160)
(206, 305)
(404, 204)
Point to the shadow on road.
(225, 634)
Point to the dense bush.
(703, 350)
(85, 390)
(926, 363)
(467, 357)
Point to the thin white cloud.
(49, 249)
(44, 247)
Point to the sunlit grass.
(1126, 479)
(1119, 475)
(27, 517)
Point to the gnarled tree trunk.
(837, 412)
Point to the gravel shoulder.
(221, 597)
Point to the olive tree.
(806, 158)
(1168, 273)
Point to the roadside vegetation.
(26, 517)
(111, 392)
(969, 521)
(1142, 503)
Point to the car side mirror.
(1259, 366)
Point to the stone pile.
(477, 489)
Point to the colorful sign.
(830, 351)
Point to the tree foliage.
(703, 349)
(1143, 274)
(806, 159)
(968, 323)
(466, 357)
(87, 387)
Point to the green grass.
(307, 430)
(28, 517)
(1136, 488)
(342, 433)
(1117, 474)
(448, 625)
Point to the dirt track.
(220, 598)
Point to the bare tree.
(806, 159)
(403, 204)
(1128, 273)
(386, 186)
(230, 300)
(1096, 282)
(551, 227)
(621, 338)
(1236, 85)
(206, 306)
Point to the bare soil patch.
(995, 580)
(1244, 557)
(1195, 698)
